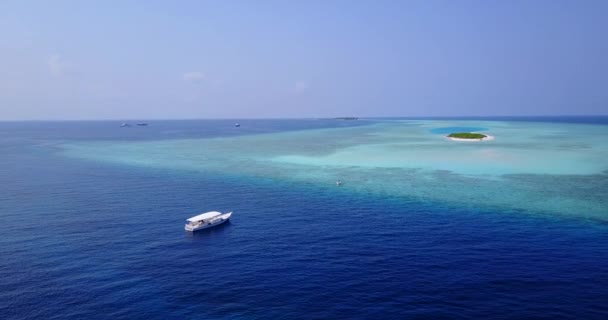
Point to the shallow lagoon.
(553, 168)
(392, 243)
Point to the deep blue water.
(87, 240)
(599, 119)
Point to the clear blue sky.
(236, 59)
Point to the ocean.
(423, 227)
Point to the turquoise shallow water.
(552, 168)
(92, 223)
(448, 130)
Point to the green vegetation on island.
(467, 135)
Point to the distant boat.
(338, 183)
(206, 220)
(142, 124)
(237, 125)
(125, 125)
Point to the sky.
(283, 59)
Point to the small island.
(468, 136)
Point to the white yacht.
(206, 220)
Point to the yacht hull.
(220, 219)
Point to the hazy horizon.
(454, 117)
(121, 60)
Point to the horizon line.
(305, 118)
